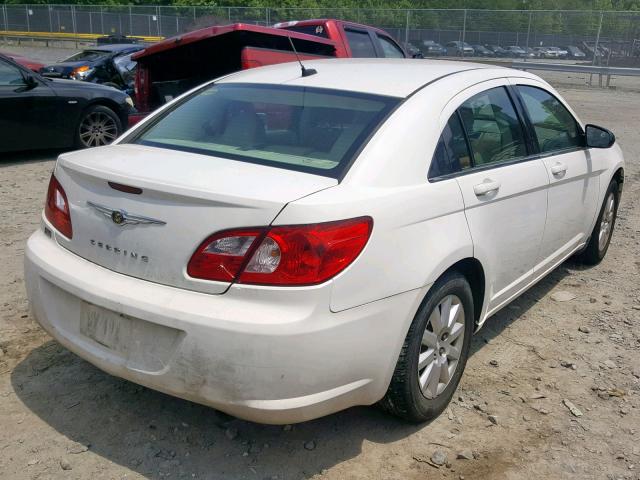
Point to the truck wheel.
(434, 353)
(98, 126)
(600, 239)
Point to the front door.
(573, 189)
(29, 114)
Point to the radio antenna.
(306, 72)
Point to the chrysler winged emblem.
(122, 218)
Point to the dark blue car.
(106, 64)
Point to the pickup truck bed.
(175, 65)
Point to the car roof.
(316, 21)
(117, 47)
(380, 76)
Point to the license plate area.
(144, 346)
(108, 328)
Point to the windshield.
(87, 56)
(306, 129)
(126, 66)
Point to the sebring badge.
(122, 218)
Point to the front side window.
(10, 75)
(390, 49)
(452, 152)
(553, 124)
(493, 127)
(305, 129)
(360, 44)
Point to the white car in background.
(281, 247)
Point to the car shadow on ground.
(517, 309)
(155, 434)
(15, 158)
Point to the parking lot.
(572, 340)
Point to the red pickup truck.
(175, 65)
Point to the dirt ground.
(61, 418)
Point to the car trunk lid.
(182, 198)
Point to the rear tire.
(413, 393)
(98, 126)
(600, 238)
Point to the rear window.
(317, 30)
(296, 128)
(87, 56)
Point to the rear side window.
(493, 127)
(554, 126)
(452, 152)
(389, 49)
(360, 43)
(306, 129)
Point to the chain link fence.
(617, 32)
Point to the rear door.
(504, 190)
(574, 185)
(360, 42)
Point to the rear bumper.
(263, 354)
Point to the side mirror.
(29, 83)
(599, 137)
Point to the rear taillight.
(56, 208)
(284, 255)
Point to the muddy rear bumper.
(263, 354)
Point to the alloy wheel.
(606, 223)
(98, 129)
(441, 346)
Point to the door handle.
(558, 168)
(485, 187)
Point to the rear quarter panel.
(419, 227)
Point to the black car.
(38, 112)
(111, 39)
(482, 51)
(517, 51)
(107, 64)
(433, 49)
(498, 51)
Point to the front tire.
(600, 239)
(434, 353)
(98, 126)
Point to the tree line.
(633, 5)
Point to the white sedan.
(281, 247)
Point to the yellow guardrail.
(69, 36)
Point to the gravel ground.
(535, 361)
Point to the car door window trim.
(516, 92)
(532, 154)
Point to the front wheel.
(600, 239)
(98, 126)
(434, 353)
